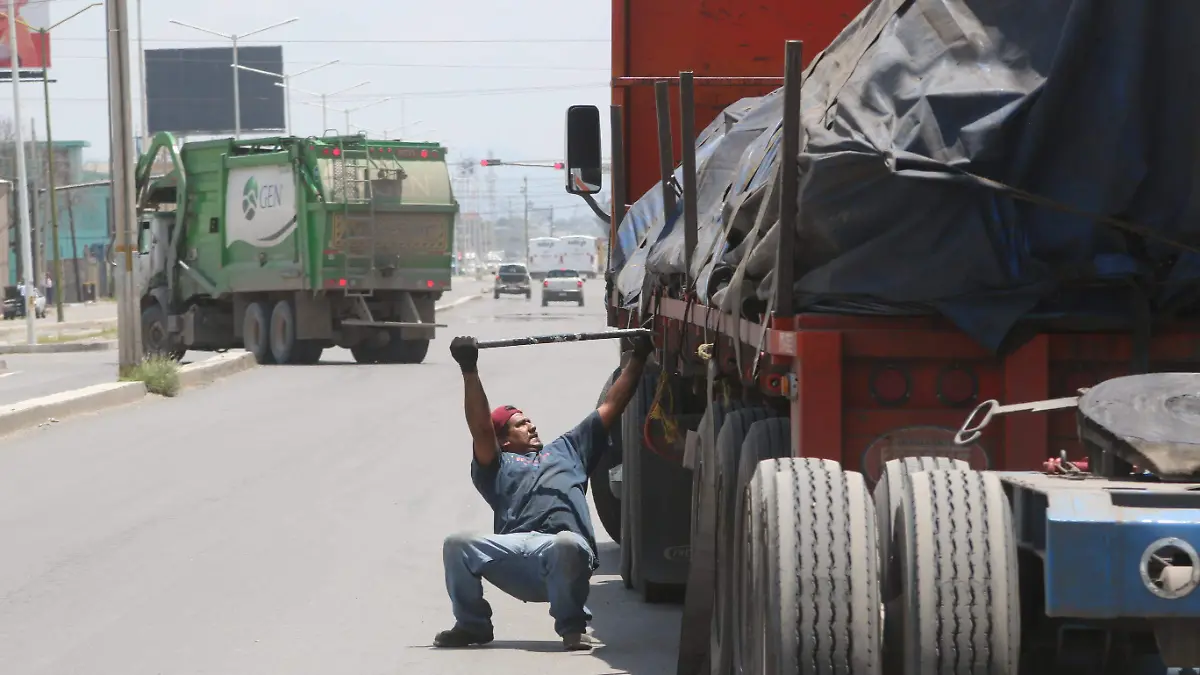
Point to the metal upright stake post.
(22, 186)
(666, 151)
(789, 179)
(237, 93)
(687, 117)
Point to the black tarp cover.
(987, 160)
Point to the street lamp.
(22, 175)
(347, 111)
(58, 281)
(237, 96)
(324, 98)
(287, 90)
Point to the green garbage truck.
(287, 246)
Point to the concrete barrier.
(33, 412)
(209, 370)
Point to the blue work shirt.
(544, 491)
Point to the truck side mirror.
(583, 165)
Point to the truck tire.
(365, 354)
(284, 346)
(632, 421)
(256, 332)
(156, 339)
(890, 492)
(404, 351)
(822, 601)
(751, 576)
(608, 505)
(958, 561)
(309, 352)
(758, 436)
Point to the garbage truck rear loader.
(288, 246)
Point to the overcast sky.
(487, 76)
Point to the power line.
(492, 66)
(407, 94)
(214, 41)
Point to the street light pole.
(58, 280)
(287, 90)
(361, 107)
(235, 37)
(324, 98)
(22, 177)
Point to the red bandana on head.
(500, 418)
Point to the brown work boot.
(461, 637)
(579, 642)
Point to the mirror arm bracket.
(591, 202)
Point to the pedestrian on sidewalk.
(49, 288)
(544, 546)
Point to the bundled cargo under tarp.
(992, 161)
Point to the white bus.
(545, 254)
(582, 254)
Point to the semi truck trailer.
(287, 246)
(852, 226)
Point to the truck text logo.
(254, 198)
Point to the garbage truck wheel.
(255, 333)
(156, 340)
(405, 351)
(283, 333)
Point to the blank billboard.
(190, 91)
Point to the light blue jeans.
(531, 567)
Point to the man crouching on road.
(544, 549)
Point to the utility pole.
(525, 193)
(120, 121)
(52, 197)
(22, 186)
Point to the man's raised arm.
(622, 389)
(465, 351)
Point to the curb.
(59, 347)
(210, 370)
(95, 398)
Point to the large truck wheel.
(958, 563)
(308, 352)
(365, 354)
(608, 504)
(890, 492)
(256, 332)
(751, 576)
(822, 604)
(656, 495)
(748, 438)
(724, 424)
(284, 346)
(156, 339)
(404, 351)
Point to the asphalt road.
(33, 375)
(290, 520)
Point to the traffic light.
(490, 162)
(559, 165)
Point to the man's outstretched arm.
(623, 388)
(465, 351)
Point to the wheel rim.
(254, 332)
(157, 337)
(279, 331)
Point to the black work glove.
(641, 346)
(465, 350)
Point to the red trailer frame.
(861, 390)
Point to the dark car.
(513, 279)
